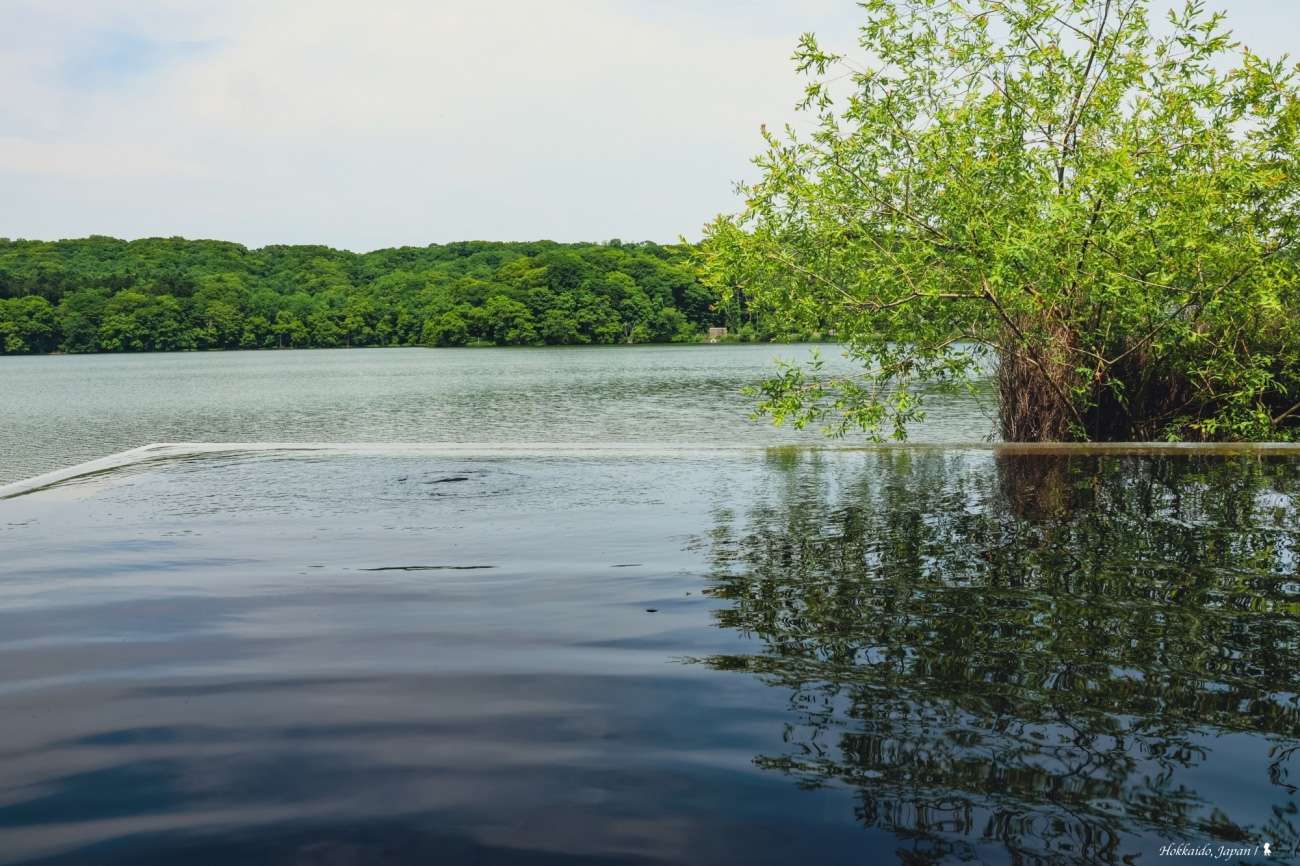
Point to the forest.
(100, 294)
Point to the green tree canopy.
(163, 294)
(1103, 211)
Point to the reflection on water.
(1054, 653)
(409, 655)
(346, 657)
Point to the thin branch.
(818, 277)
(1195, 295)
(1280, 418)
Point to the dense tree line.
(101, 294)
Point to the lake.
(606, 632)
(66, 409)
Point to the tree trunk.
(1033, 383)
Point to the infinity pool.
(506, 655)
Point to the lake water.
(565, 645)
(60, 410)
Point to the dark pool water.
(408, 654)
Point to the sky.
(408, 122)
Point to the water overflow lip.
(158, 454)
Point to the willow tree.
(1101, 210)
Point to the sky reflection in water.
(739, 656)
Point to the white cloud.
(77, 160)
(395, 121)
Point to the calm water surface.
(60, 410)
(656, 641)
(405, 655)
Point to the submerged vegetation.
(100, 294)
(1110, 214)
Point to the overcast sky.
(391, 122)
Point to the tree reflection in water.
(1028, 650)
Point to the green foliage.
(26, 325)
(105, 295)
(509, 323)
(1044, 185)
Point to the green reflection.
(1038, 652)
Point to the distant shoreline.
(102, 294)
(273, 349)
